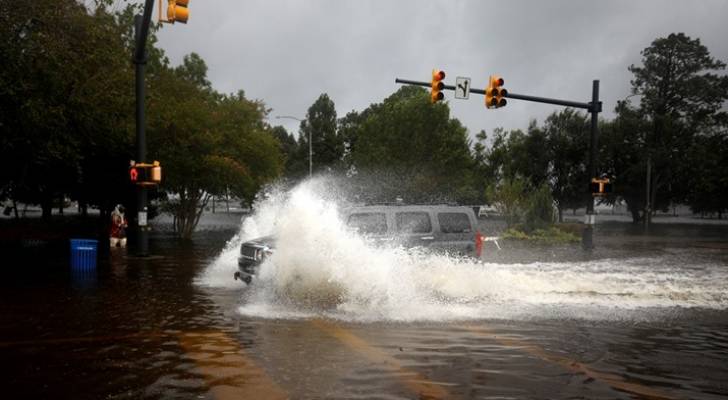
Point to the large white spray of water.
(321, 268)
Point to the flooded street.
(643, 316)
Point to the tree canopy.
(67, 115)
(67, 119)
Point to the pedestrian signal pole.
(494, 95)
(176, 12)
(141, 25)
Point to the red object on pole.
(133, 174)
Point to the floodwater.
(642, 316)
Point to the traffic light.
(177, 11)
(437, 85)
(600, 187)
(494, 93)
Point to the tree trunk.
(191, 207)
(46, 206)
(636, 218)
(15, 208)
(656, 185)
(561, 214)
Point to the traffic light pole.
(594, 107)
(590, 219)
(141, 25)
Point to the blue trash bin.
(83, 253)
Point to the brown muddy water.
(642, 316)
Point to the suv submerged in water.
(444, 228)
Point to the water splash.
(321, 268)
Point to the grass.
(552, 235)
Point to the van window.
(413, 222)
(454, 223)
(368, 223)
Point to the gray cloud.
(287, 52)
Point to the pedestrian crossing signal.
(133, 174)
(600, 187)
(145, 174)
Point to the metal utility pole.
(141, 25)
(590, 219)
(594, 107)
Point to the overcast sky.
(288, 52)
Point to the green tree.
(209, 144)
(540, 209)
(509, 198)
(408, 147)
(681, 97)
(566, 148)
(193, 69)
(708, 174)
(484, 173)
(63, 99)
(525, 154)
(621, 155)
(320, 126)
(287, 146)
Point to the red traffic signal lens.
(438, 75)
(133, 174)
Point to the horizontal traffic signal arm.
(509, 95)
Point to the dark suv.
(445, 228)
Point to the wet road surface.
(144, 328)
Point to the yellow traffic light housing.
(176, 11)
(494, 93)
(437, 85)
(156, 173)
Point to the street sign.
(462, 88)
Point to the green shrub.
(508, 198)
(540, 212)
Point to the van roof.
(408, 207)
